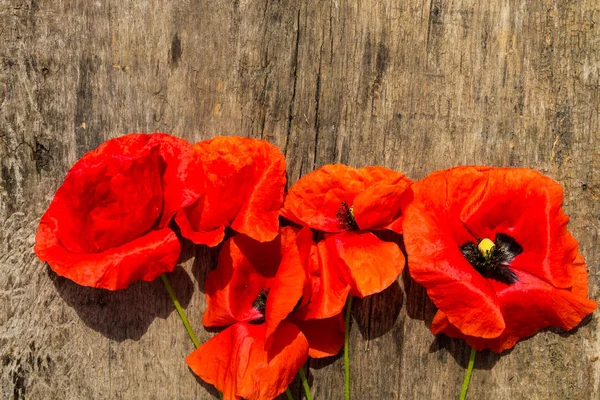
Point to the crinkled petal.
(111, 196)
(328, 286)
(235, 361)
(115, 201)
(245, 268)
(144, 258)
(456, 288)
(182, 176)
(315, 198)
(444, 195)
(287, 288)
(527, 206)
(380, 206)
(368, 264)
(529, 306)
(245, 180)
(325, 336)
(376, 175)
(210, 238)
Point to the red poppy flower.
(107, 223)
(264, 291)
(245, 180)
(349, 203)
(492, 249)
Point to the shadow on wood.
(377, 314)
(124, 314)
(210, 389)
(420, 307)
(206, 260)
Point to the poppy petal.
(325, 336)
(113, 205)
(529, 305)
(307, 249)
(287, 287)
(369, 264)
(235, 361)
(245, 180)
(527, 206)
(144, 258)
(245, 268)
(379, 206)
(109, 197)
(182, 178)
(209, 238)
(580, 277)
(376, 175)
(455, 287)
(329, 289)
(443, 195)
(315, 198)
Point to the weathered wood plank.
(413, 85)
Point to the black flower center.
(259, 304)
(345, 216)
(492, 259)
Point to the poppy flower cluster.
(490, 246)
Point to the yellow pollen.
(486, 246)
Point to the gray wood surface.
(412, 85)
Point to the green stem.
(465, 386)
(305, 384)
(182, 315)
(346, 358)
(289, 394)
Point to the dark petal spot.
(496, 266)
(260, 303)
(346, 218)
(507, 247)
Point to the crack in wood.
(295, 81)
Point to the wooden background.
(409, 84)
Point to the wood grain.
(412, 85)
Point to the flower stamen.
(486, 247)
(259, 304)
(492, 259)
(345, 216)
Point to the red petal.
(196, 235)
(288, 285)
(379, 206)
(444, 195)
(580, 277)
(109, 197)
(245, 183)
(245, 268)
(236, 363)
(316, 198)
(529, 306)
(371, 265)
(144, 258)
(104, 214)
(456, 288)
(325, 336)
(527, 206)
(307, 249)
(329, 290)
(182, 178)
